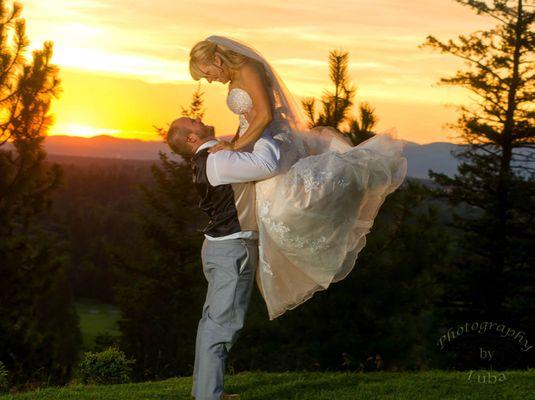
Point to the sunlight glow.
(82, 130)
(152, 69)
(135, 56)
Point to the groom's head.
(185, 135)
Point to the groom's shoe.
(230, 396)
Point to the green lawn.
(430, 385)
(95, 318)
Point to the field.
(96, 318)
(429, 385)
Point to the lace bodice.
(239, 102)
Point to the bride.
(313, 217)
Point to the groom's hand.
(222, 145)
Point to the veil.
(285, 106)
(287, 112)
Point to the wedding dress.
(313, 217)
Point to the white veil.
(285, 106)
(289, 113)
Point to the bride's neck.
(232, 73)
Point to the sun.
(81, 130)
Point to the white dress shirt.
(227, 166)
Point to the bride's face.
(216, 71)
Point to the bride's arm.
(236, 135)
(253, 81)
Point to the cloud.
(152, 40)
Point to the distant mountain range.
(435, 156)
(105, 146)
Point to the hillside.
(430, 385)
(436, 156)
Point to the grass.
(96, 317)
(428, 385)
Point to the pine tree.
(161, 288)
(494, 183)
(337, 104)
(360, 128)
(195, 108)
(39, 332)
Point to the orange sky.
(124, 62)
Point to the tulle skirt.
(314, 216)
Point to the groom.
(225, 183)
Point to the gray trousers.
(229, 267)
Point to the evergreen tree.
(196, 107)
(161, 284)
(39, 332)
(337, 104)
(495, 277)
(360, 128)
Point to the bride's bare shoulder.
(252, 67)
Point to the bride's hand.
(222, 145)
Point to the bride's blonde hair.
(204, 52)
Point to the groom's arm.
(226, 166)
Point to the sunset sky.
(124, 63)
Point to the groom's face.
(198, 128)
(187, 134)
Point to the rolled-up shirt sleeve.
(226, 166)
